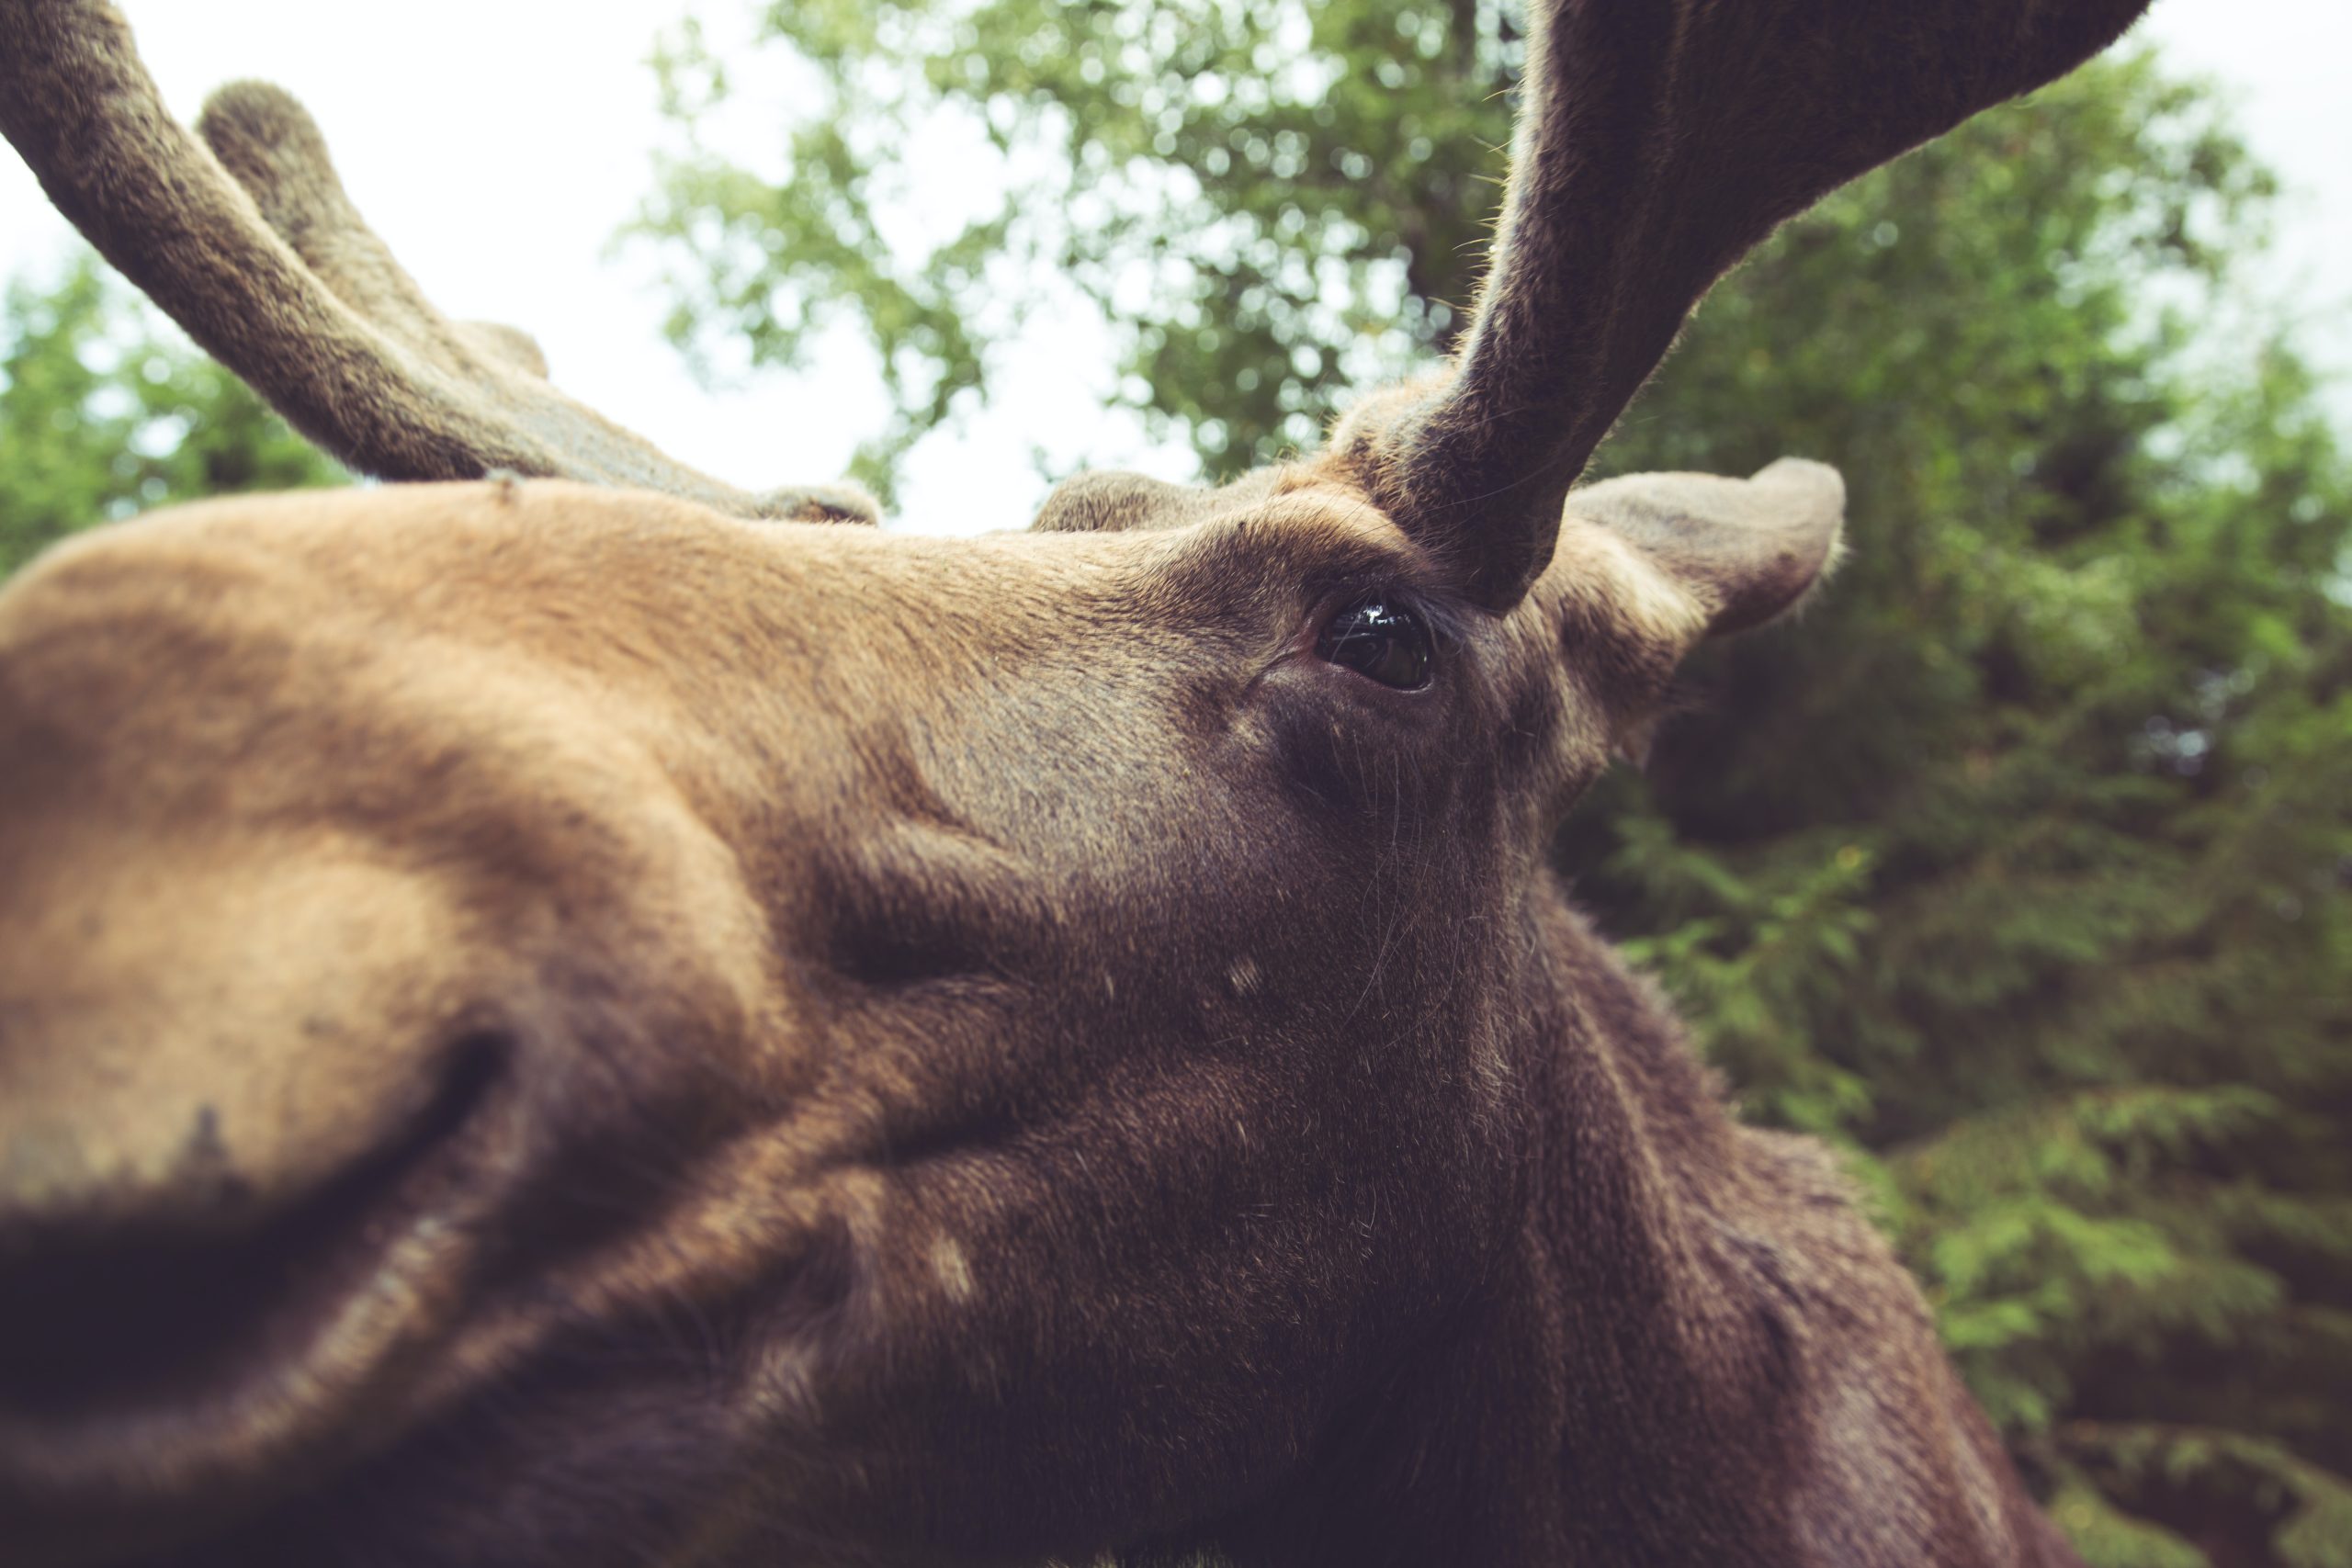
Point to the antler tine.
(273, 148)
(279, 279)
(1658, 141)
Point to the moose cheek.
(1348, 761)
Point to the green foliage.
(102, 415)
(2018, 865)
(2079, 707)
(1274, 202)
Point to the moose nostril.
(140, 1311)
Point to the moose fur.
(545, 1022)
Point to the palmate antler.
(252, 247)
(1657, 143)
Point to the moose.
(574, 1014)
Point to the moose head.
(591, 1017)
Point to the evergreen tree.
(2020, 865)
(106, 412)
(2017, 865)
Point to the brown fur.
(546, 1025)
(995, 1051)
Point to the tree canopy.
(1271, 203)
(2018, 865)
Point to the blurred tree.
(103, 415)
(1270, 202)
(2020, 865)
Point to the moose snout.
(238, 1085)
(126, 1293)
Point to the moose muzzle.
(311, 1027)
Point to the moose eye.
(1380, 640)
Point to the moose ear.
(1748, 549)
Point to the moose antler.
(253, 247)
(1657, 143)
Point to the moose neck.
(1650, 1236)
(1663, 1337)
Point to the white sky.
(498, 145)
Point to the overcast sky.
(498, 144)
